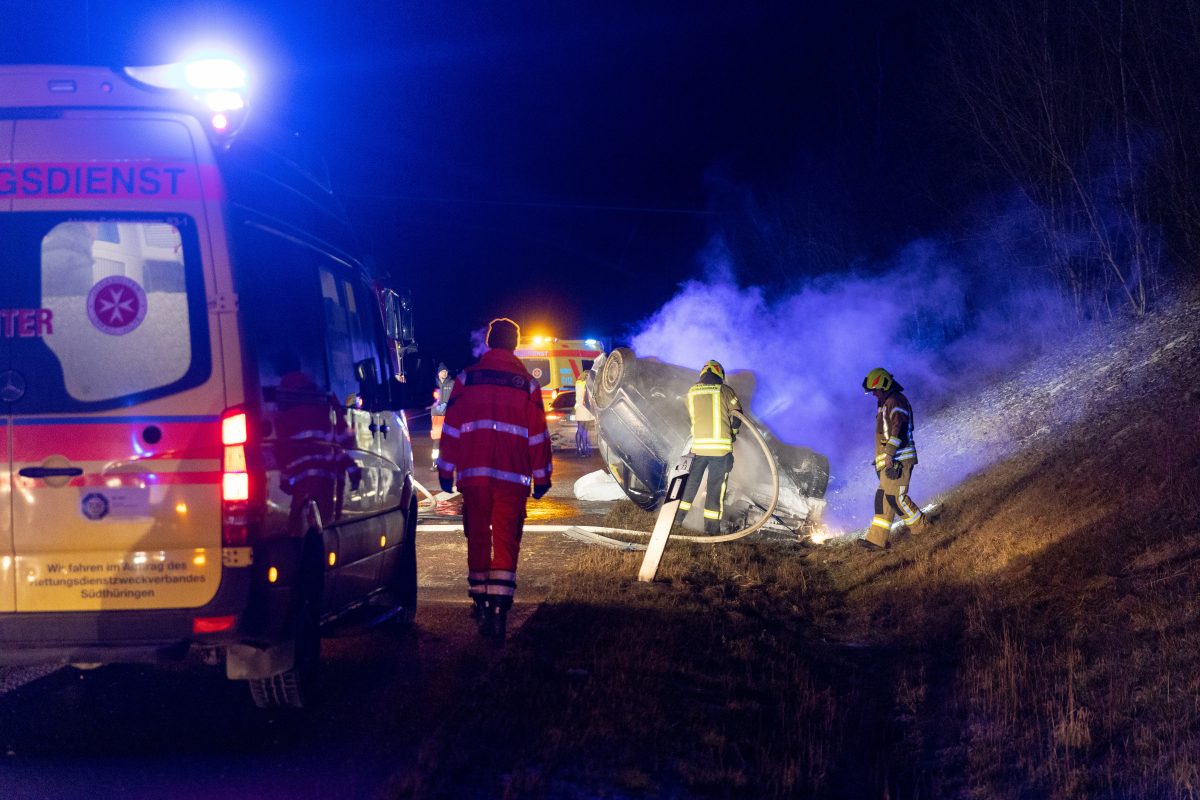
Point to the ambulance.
(557, 363)
(200, 382)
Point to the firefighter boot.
(487, 623)
(501, 615)
(478, 608)
(681, 513)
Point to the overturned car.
(643, 429)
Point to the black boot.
(478, 608)
(487, 623)
(501, 624)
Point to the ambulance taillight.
(235, 479)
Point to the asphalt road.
(184, 731)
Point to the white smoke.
(937, 318)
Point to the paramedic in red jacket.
(494, 437)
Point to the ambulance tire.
(619, 366)
(404, 580)
(299, 686)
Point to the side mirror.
(406, 318)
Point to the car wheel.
(298, 687)
(619, 365)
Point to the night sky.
(570, 164)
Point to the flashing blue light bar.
(214, 74)
(218, 84)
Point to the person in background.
(711, 403)
(495, 440)
(437, 412)
(584, 418)
(895, 457)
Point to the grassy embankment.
(1042, 641)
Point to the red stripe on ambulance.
(103, 442)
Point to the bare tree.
(1082, 103)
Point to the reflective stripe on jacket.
(894, 430)
(711, 407)
(495, 427)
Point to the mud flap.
(246, 662)
(666, 519)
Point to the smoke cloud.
(939, 316)
(479, 342)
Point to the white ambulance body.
(197, 382)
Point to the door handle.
(384, 429)
(50, 472)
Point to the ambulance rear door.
(109, 366)
(7, 554)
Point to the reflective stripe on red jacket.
(495, 426)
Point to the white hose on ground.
(454, 527)
(430, 502)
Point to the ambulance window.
(277, 291)
(337, 339)
(539, 368)
(349, 337)
(115, 310)
(369, 334)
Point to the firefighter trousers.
(718, 469)
(493, 518)
(891, 499)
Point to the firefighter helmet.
(878, 378)
(715, 368)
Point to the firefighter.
(711, 403)
(495, 439)
(437, 412)
(895, 457)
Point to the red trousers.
(493, 517)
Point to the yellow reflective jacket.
(711, 407)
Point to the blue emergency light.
(218, 84)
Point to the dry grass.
(624, 514)
(1055, 611)
(1043, 641)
